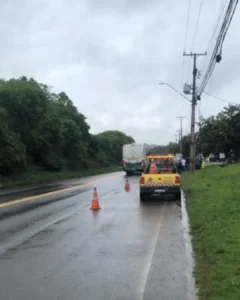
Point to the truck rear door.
(165, 176)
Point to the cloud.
(109, 56)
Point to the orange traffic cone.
(127, 186)
(95, 203)
(153, 167)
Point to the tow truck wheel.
(178, 196)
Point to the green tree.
(220, 133)
(45, 129)
(111, 142)
(12, 150)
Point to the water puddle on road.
(192, 290)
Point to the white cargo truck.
(134, 158)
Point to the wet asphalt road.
(54, 247)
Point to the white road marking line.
(149, 259)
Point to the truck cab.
(134, 158)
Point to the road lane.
(11, 196)
(127, 250)
(28, 216)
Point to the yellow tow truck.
(160, 177)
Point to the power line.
(234, 103)
(212, 62)
(215, 28)
(186, 35)
(217, 24)
(234, 9)
(218, 47)
(196, 29)
(165, 83)
(195, 34)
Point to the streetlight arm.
(164, 83)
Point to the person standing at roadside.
(183, 164)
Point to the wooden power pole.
(181, 134)
(194, 102)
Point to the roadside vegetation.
(219, 133)
(31, 177)
(213, 203)
(44, 137)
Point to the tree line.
(44, 129)
(216, 134)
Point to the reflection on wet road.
(54, 247)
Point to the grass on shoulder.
(213, 203)
(40, 177)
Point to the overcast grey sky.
(109, 56)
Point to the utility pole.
(176, 136)
(179, 139)
(181, 133)
(194, 102)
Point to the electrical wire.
(186, 32)
(214, 31)
(213, 58)
(200, 103)
(196, 29)
(229, 102)
(210, 87)
(195, 35)
(217, 24)
(215, 52)
(218, 47)
(186, 35)
(234, 9)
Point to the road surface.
(54, 247)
